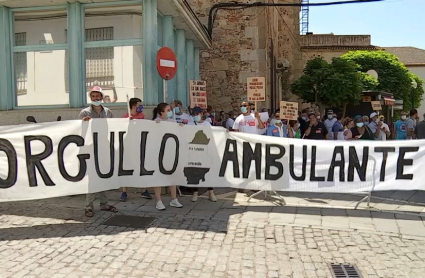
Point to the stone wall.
(241, 49)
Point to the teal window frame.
(12, 97)
(109, 43)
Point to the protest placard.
(288, 110)
(198, 93)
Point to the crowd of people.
(309, 125)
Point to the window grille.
(99, 60)
(21, 64)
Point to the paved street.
(230, 238)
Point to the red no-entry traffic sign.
(166, 63)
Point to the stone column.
(168, 41)
(197, 53)
(6, 76)
(182, 85)
(190, 65)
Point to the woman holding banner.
(197, 120)
(162, 113)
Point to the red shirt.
(139, 116)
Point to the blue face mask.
(139, 109)
(196, 118)
(96, 103)
(244, 109)
(275, 121)
(176, 110)
(169, 114)
(359, 124)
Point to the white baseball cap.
(96, 89)
(373, 114)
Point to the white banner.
(74, 157)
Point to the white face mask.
(403, 117)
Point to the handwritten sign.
(256, 88)
(198, 93)
(288, 110)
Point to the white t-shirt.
(329, 124)
(229, 123)
(382, 135)
(183, 118)
(202, 123)
(166, 120)
(247, 124)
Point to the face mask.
(197, 118)
(139, 109)
(176, 110)
(366, 124)
(403, 117)
(318, 118)
(377, 121)
(169, 114)
(275, 121)
(213, 114)
(304, 118)
(330, 117)
(360, 124)
(244, 109)
(96, 103)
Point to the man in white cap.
(375, 124)
(96, 110)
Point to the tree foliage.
(332, 85)
(393, 76)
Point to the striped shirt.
(90, 112)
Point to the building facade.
(52, 52)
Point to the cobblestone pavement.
(52, 238)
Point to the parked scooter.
(31, 119)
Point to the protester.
(230, 121)
(375, 124)
(220, 119)
(316, 130)
(411, 124)
(107, 99)
(136, 111)
(211, 115)
(251, 107)
(360, 131)
(163, 113)
(329, 123)
(276, 127)
(384, 132)
(180, 117)
(338, 127)
(348, 125)
(366, 120)
(197, 120)
(294, 129)
(420, 129)
(303, 121)
(248, 123)
(96, 110)
(400, 127)
(319, 119)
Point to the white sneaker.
(175, 203)
(160, 205)
(195, 197)
(212, 197)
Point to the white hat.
(373, 114)
(96, 89)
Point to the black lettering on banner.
(313, 166)
(162, 151)
(248, 156)
(230, 156)
(292, 163)
(12, 161)
(111, 155)
(401, 162)
(143, 171)
(64, 142)
(34, 161)
(337, 163)
(121, 171)
(353, 162)
(271, 161)
(384, 151)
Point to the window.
(40, 58)
(100, 60)
(113, 51)
(21, 65)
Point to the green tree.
(335, 84)
(393, 76)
